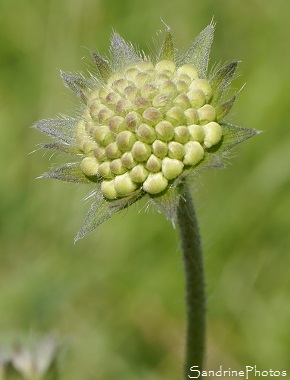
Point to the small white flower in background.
(33, 363)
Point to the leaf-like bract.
(198, 54)
(167, 48)
(62, 129)
(124, 53)
(224, 109)
(70, 173)
(79, 85)
(103, 67)
(102, 210)
(221, 79)
(66, 148)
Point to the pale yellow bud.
(196, 132)
(197, 98)
(181, 134)
(141, 151)
(176, 150)
(206, 114)
(213, 134)
(123, 106)
(182, 100)
(203, 85)
(155, 183)
(89, 166)
(117, 124)
(165, 65)
(153, 164)
(145, 133)
(124, 185)
(112, 98)
(149, 90)
(165, 131)
(175, 115)
(193, 153)
(188, 70)
(141, 79)
(117, 167)
(132, 120)
(105, 114)
(102, 135)
(181, 85)
(104, 170)
(89, 146)
(152, 116)
(120, 85)
(160, 100)
(108, 189)
(130, 93)
(159, 148)
(128, 160)
(168, 88)
(125, 140)
(138, 174)
(100, 154)
(112, 151)
(191, 116)
(141, 104)
(131, 73)
(171, 168)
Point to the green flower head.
(146, 125)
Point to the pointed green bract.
(168, 203)
(70, 173)
(221, 79)
(62, 129)
(102, 210)
(224, 109)
(103, 66)
(167, 48)
(234, 135)
(198, 54)
(65, 148)
(77, 84)
(124, 53)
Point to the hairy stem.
(194, 282)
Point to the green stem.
(194, 280)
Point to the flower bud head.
(146, 123)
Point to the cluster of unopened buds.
(145, 126)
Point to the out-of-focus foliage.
(117, 297)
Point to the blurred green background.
(116, 298)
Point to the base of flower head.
(145, 126)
